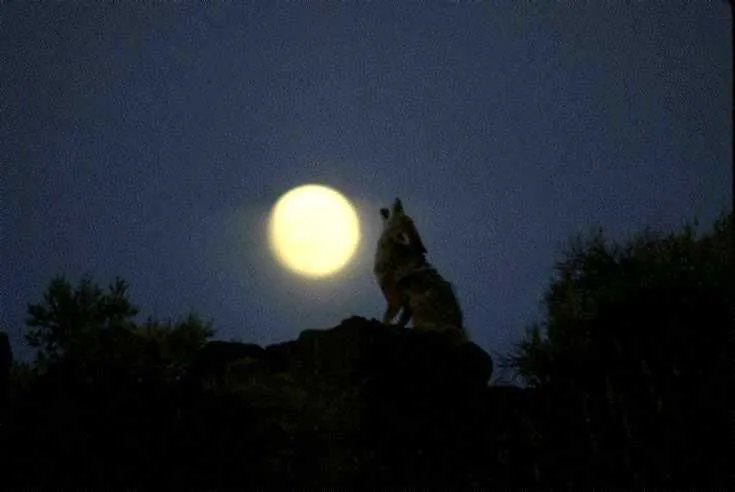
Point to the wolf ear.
(398, 206)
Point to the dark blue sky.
(150, 139)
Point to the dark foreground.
(357, 405)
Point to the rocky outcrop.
(6, 361)
(356, 352)
(211, 366)
(364, 398)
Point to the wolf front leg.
(394, 300)
(390, 314)
(406, 316)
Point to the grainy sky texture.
(150, 139)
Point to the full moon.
(313, 230)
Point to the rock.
(212, 364)
(356, 352)
(359, 349)
(6, 361)
(6, 356)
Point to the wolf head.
(399, 227)
(397, 208)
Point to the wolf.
(410, 284)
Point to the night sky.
(149, 140)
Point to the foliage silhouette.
(634, 338)
(626, 380)
(86, 327)
(69, 319)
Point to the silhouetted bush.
(635, 338)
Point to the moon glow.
(313, 230)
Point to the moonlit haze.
(159, 141)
